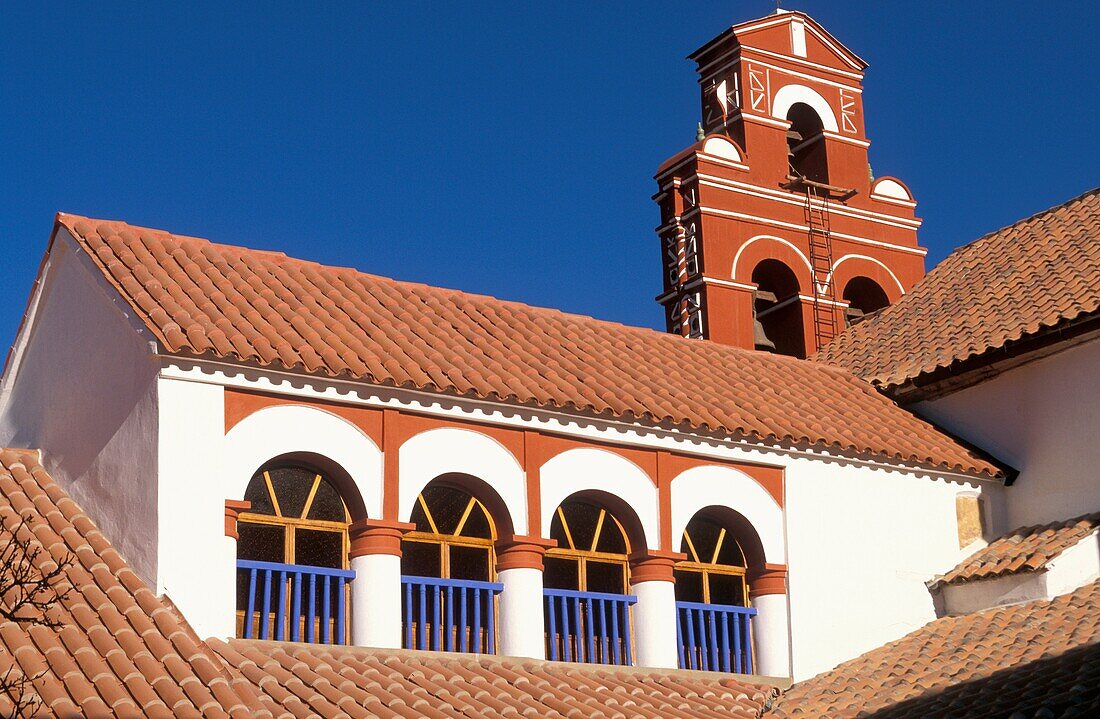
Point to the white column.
(771, 634)
(521, 633)
(376, 601)
(655, 624)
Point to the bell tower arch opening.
(864, 297)
(806, 152)
(777, 311)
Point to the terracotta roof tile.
(1005, 286)
(109, 658)
(1026, 549)
(248, 306)
(1039, 660)
(324, 681)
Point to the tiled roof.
(119, 651)
(231, 303)
(1039, 660)
(1027, 549)
(1005, 286)
(300, 680)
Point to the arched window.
(777, 312)
(587, 578)
(447, 564)
(453, 538)
(714, 572)
(592, 550)
(292, 557)
(713, 619)
(806, 144)
(864, 296)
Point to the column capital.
(377, 536)
(768, 579)
(515, 551)
(653, 566)
(233, 509)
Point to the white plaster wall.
(861, 543)
(969, 597)
(82, 387)
(701, 487)
(1074, 568)
(576, 470)
(447, 450)
(1042, 418)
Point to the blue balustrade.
(590, 627)
(714, 637)
(451, 615)
(295, 602)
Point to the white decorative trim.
(727, 283)
(725, 163)
(577, 470)
(803, 228)
(712, 486)
(845, 138)
(780, 240)
(894, 277)
(449, 450)
(722, 148)
(789, 95)
(822, 300)
(887, 187)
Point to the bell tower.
(774, 233)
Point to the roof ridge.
(1017, 223)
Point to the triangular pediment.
(797, 35)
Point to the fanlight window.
(591, 555)
(292, 557)
(714, 571)
(453, 538)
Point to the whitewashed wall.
(1043, 418)
(861, 544)
(81, 387)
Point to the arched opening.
(586, 579)
(806, 144)
(777, 312)
(712, 593)
(448, 565)
(292, 557)
(864, 297)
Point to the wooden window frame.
(446, 541)
(583, 556)
(712, 567)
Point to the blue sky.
(501, 148)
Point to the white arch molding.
(780, 240)
(788, 95)
(700, 487)
(889, 187)
(283, 429)
(585, 468)
(837, 264)
(448, 450)
(721, 147)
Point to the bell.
(760, 338)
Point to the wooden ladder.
(821, 263)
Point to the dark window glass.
(560, 573)
(327, 504)
(582, 518)
(292, 486)
(260, 542)
(421, 559)
(318, 548)
(726, 589)
(611, 538)
(447, 505)
(259, 496)
(730, 554)
(420, 519)
(470, 563)
(689, 586)
(477, 524)
(605, 577)
(704, 535)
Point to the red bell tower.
(774, 235)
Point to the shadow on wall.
(1057, 687)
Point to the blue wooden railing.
(714, 637)
(589, 627)
(287, 601)
(451, 615)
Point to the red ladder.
(821, 263)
